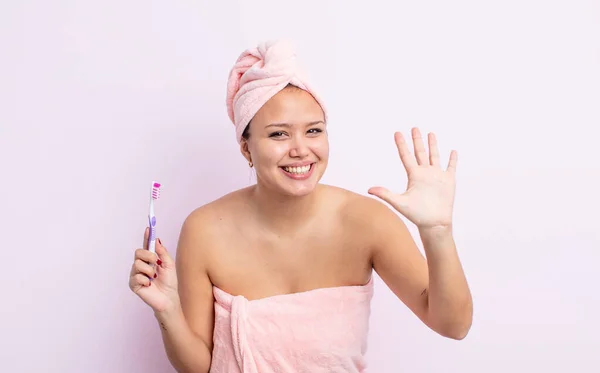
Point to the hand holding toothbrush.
(153, 277)
(152, 264)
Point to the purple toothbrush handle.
(152, 225)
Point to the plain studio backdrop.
(97, 99)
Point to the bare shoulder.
(195, 253)
(215, 216)
(363, 212)
(203, 229)
(393, 252)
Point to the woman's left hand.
(429, 197)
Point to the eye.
(276, 134)
(315, 130)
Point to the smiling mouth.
(303, 170)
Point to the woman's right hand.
(153, 277)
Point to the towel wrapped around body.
(321, 330)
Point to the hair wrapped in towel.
(258, 74)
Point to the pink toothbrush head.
(155, 190)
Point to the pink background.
(99, 98)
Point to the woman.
(278, 276)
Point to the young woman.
(277, 277)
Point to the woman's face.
(288, 143)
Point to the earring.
(250, 164)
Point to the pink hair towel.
(316, 331)
(258, 74)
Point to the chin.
(300, 190)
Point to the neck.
(283, 213)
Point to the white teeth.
(297, 170)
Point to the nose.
(299, 147)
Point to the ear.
(245, 150)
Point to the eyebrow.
(289, 125)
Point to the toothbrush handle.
(152, 236)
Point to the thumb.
(163, 255)
(382, 193)
(396, 201)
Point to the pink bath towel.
(321, 330)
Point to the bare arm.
(187, 328)
(186, 351)
(433, 287)
(450, 306)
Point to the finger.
(138, 281)
(146, 236)
(164, 258)
(453, 161)
(144, 268)
(146, 256)
(396, 201)
(382, 193)
(420, 152)
(407, 159)
(434, 154)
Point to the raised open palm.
(429, 197)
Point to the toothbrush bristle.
(155, 190)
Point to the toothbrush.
(154, 195)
